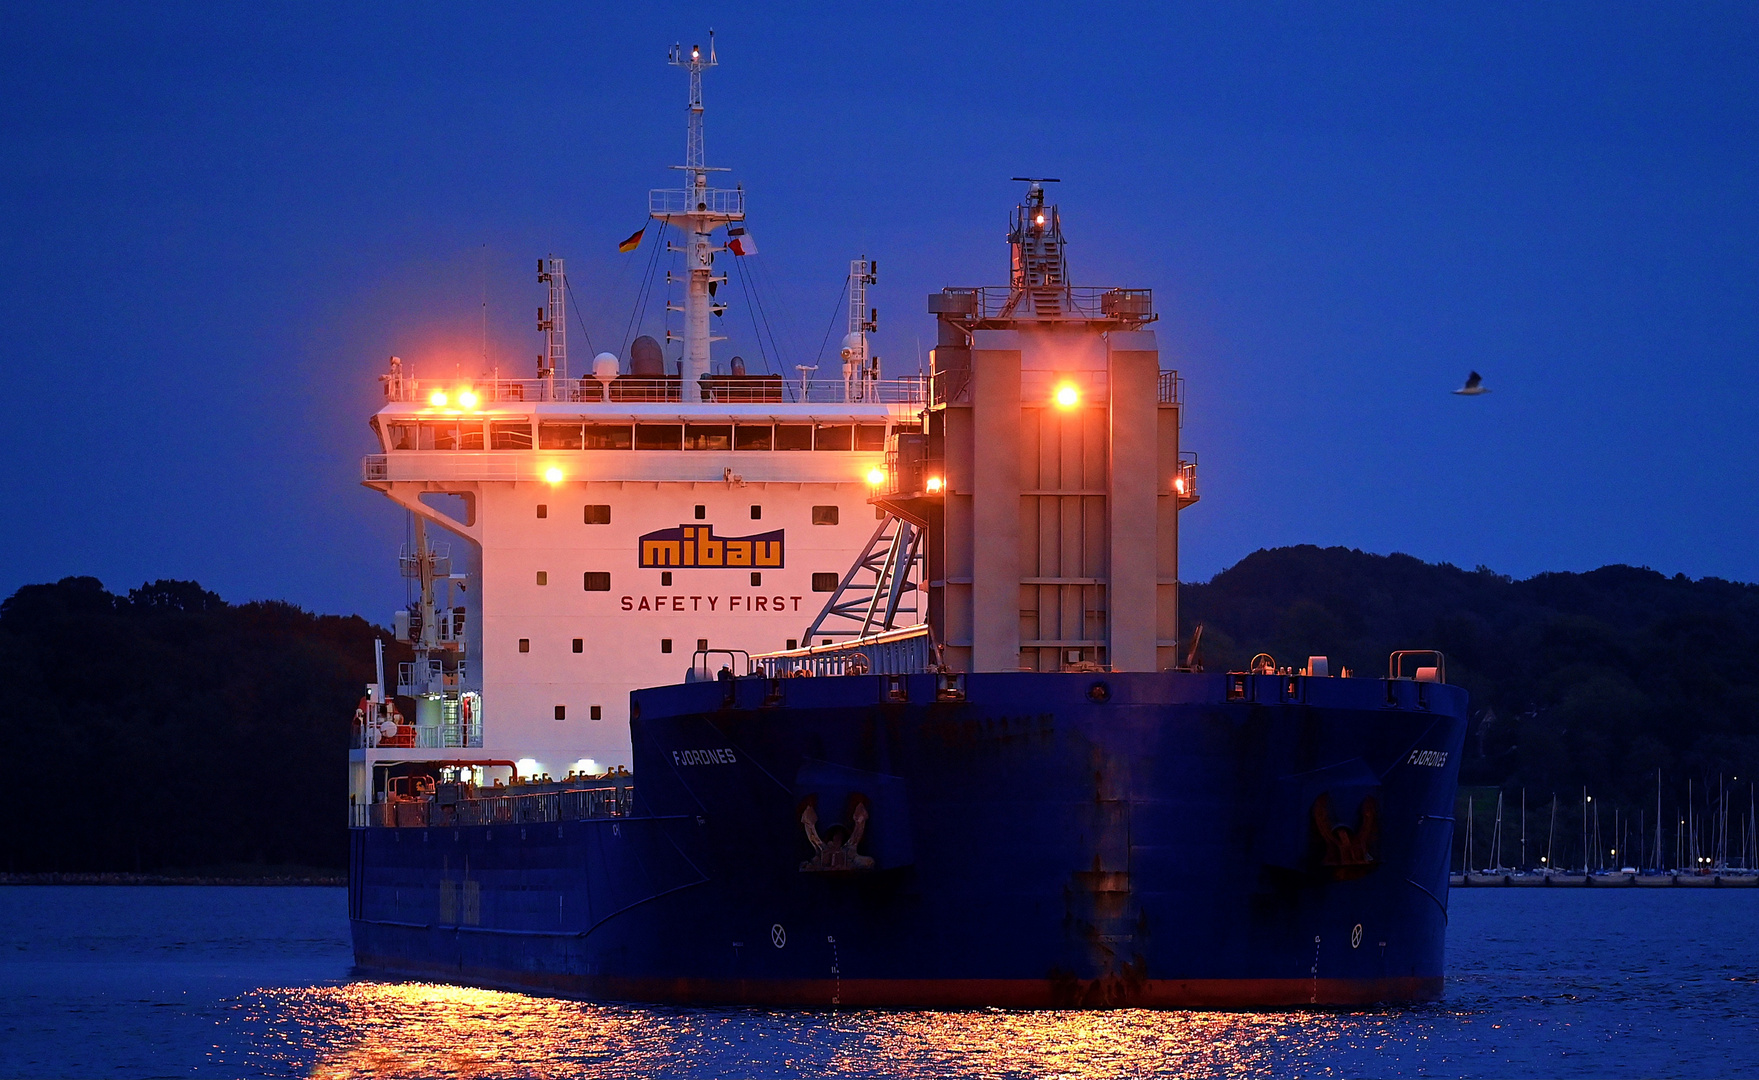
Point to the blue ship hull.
(1048, 840)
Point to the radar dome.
(605, 366)
(645, 357)
(851, 345)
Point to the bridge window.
(752, 437)
(870, 436)
(824, 515)
(708, 436)
(824, 582)
(834, 437)
(793, 436)
(659, 436)
(507, 436)
(403, 437)
(607, 437)
(597, 581)
(558, 436)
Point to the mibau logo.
(698, 546)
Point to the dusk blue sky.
(220, 219)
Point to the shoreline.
(283, 880)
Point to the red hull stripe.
(945, 993)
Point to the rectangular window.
(702, 644)
(597, 514)
(834, 437)
(756, 578)
(793, 643)
(402, 437)
(598, 712)
(752, 437)
(542, 510)
(597, 581)
(607, 437)
(708, 436)
(558, 436)
(659, 436)
(870, 436)
(561, 712)
(756, 512)
(579, 645)
(701, 512)
(824, 582)
(824, 515)
(524, 644)
(543, 577)
(507, 436)
(793, 436)
(666, 578)
(665, 644)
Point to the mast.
(697, 211)
(553, 323)
(863, 320)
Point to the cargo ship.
(920, 731)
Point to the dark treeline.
(167, 729)
(1591, 680)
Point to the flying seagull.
(1474, 386)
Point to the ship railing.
(653, 389)
(573, 804)
(906, 651)
(1171, 390)
(721, 202)
(1052, 303)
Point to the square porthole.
(598, 712)
(598, 514)
(756, 578)
(702, 644)
(542, 510)
(756, 512)
(824, 515)
(596, 581)
(524, 644)
(579, 645)
(824, 581)
(665, 644)
(543, 577)
(666, 577)
(793, 643)
(561, 712)
(701, 512)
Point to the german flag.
(633, 242)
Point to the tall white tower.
(863, 320)
(552, 322)
(697, 210)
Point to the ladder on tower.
(878, 589)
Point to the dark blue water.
(134, 982)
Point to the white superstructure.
(579, 537)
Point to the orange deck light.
(437, 399)
(934, 485)
(1067, 396)
(876, 476)
(553, 475)
(467, 399)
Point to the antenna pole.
(698, 210)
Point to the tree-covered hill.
(168, 729)
(1594, 679)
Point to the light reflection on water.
(421, 1030)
